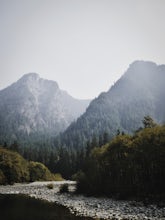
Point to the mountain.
(34, 108)
(139, 92)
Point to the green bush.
(64, 188)
(15, 169)
(2, 178)
(78, 176)
(129, 166)
(50, 186)
(13, 166)
(39, 172)
(57, 177)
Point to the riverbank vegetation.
(128, 166)
(14, 168)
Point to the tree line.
(14, 168)
(59, 158)
(127, 166)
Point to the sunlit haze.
(84, 45)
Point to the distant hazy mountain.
(36, 108)
(139, 92)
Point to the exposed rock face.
(36, 107)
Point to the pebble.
(103, 208)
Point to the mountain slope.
(34, 108)
(139, 92)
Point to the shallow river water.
(20, 207)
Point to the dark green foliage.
(2, 178)
(61, 160)
(14, 168)
(64, 188)
(50, 186)
(14, 146)
(148, 122)
(127, 166)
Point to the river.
(21, 207)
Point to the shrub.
(64, 188)
(78, 176)
(50, 186)
(13, 167)
(2, 178)
(39, 172)
(57, 177)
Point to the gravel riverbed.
(97, 208)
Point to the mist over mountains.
(139, 92)
(36, 109)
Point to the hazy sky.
(84, 45)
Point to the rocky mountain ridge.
(33, 107)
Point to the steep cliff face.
(36, 107)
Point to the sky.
(83, 45)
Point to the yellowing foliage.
(14, 168)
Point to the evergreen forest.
(124, 167)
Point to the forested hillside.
(139, 92)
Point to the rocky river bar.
(97, 208)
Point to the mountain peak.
(139, 92)
(31, 76)
(141, 70)
(36, 106)
(141, 67)
(33, 80)
(36, 75)
(142, 63)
